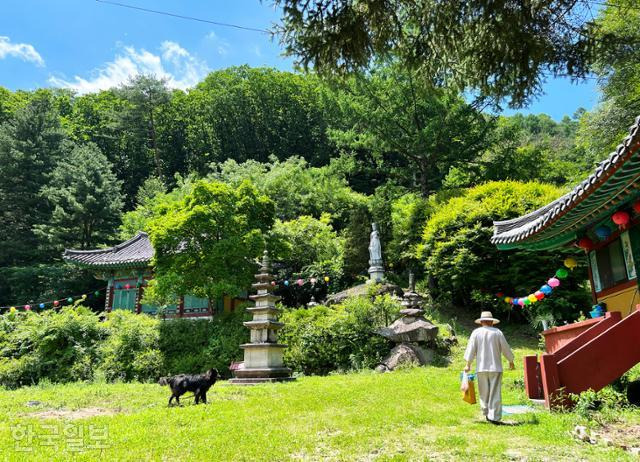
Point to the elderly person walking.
(486, 345)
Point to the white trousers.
(490, 391)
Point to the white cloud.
(174, 64)
(23, 51)
(221, 45)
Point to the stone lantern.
(263, 354)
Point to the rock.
(581, 433)
(405, 354)
(410, 329)
(415, 312)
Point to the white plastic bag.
(464, 384)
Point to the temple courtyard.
(410, 414)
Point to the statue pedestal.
(376, 274)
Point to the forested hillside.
(83, 171)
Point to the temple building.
(601, 217)
(126, 268)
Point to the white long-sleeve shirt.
(486, 344)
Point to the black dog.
(199, 384)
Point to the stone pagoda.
(263, 355)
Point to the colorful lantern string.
(621, 218)
(585, 244)
(54, 303)
(603, 232)
(545, 290)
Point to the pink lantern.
(539, 295)
(56, 303)
(621, 218)
(300, 282)
(128, 286)
(27, 307)
(521, 301)
(554, 282)
(273, 283)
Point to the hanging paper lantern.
(97, 293)
(532, 298)
(56, 303)
(13, 308)
(585, 244)
(326, 279)
(70, 300)
(621, 218)
(273, 283)
(526, 301)
(521, 301)
(313, 280)
(118, 286)
(636, 206)
(128, 286)
(603, 231)
(508, 299)
(499, 295)
(539, 295)
(546, 289)
(553, 282)
(41, 305)
(286, 283)
(300, 282)
(27, 307)
(562, 273)
(570, 263)
(84, 296)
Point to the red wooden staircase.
(592, 360)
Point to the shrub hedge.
(323, 339)
(75, 344)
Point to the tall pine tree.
(31, 143)
(86, 200)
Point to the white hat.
(487, 316)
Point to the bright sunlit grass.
(415, 414)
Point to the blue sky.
(87, 46)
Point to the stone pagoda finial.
(263, 354)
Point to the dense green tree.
(618, 71)
(414, 130)
(466, 269)
(100, 118)
(295, 187)
(501, 49)
(146, 96)
(306, 244)
(31, 144)
(528, 147)
(242, 113)
(86, 201)
(207, 243)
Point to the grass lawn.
(414, 414)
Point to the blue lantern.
(41, 305)
(546, 289)
(603, 231)
(286, 283)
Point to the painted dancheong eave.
(557, 224)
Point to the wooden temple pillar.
(181, 307)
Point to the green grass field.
(413, 414)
